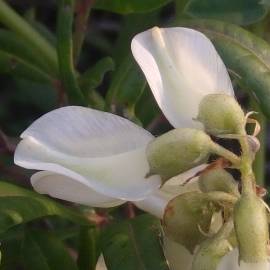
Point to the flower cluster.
(102, 160)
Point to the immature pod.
(251, 227)
(221, 114)
(177, 151)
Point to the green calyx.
(251, 227)
(177, 151)
(221, 114)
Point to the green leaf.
(246, 56)
(14, 65)
(11, 252)
(19, 205)
(134, 245)
(43, 251)
(127, 84)
(146, 109)
(130, 6)
(43, 30)
(20, 26)
(89, 248)
(242, 12)
(65, 52)
(93, 77)
(13, 44)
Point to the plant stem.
(221, 151)
(219, 196)
(259, 162)
(65, 52)
(16, 23)
(247, 175)
(83, 8)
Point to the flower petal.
(66, 188)
(230, 261)
(183, 177)
(85, 132)
(121, 176)
(179, 258)
(181, 66)
(101, 263)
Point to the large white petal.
(66, 188)
(84, 132)
(230, 261)
(121, 176)
(181, 66)
(100, 150)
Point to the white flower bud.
(251, 227)
(177, 151)
(218, 180)
(221, 114)
(186, 216)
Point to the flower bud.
(221, 114)
(177, 151)
(218, 180)
(251, 228)
(186, 217)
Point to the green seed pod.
(221, 114)
(177, 151)
(251, 228)
(186, 216)
(218, 180)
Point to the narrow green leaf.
(13, 44)
(19, 205)
(242, 12)
(127, 84)
(83, 11)
(146, 109)
(134, 245)
(89, 248)
(131, 6)
(43, 251)
(93, 77)
(43, 30)
(13, 65)
(11, 252)
(20, 26)
(65, 52)
(246, 56)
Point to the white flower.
(181, 66)
(97, 158)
